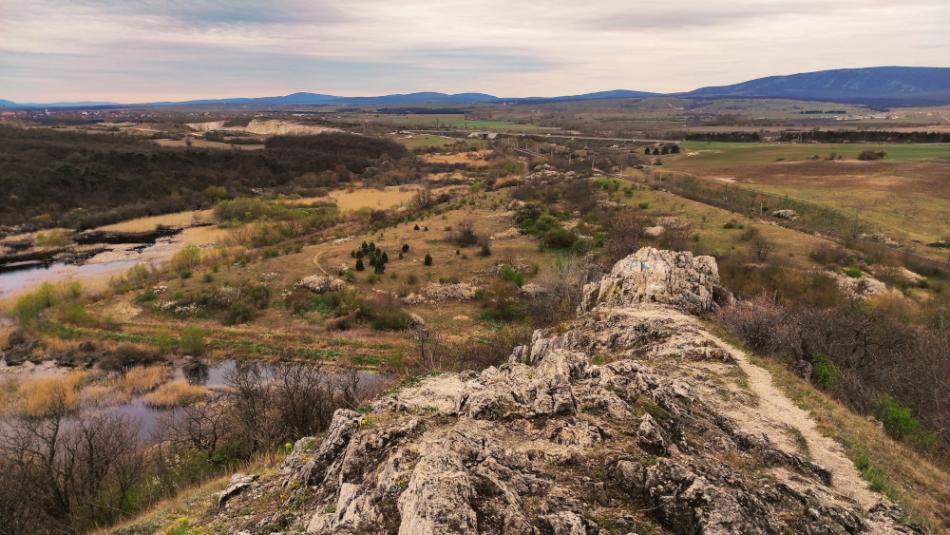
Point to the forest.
(52, 178)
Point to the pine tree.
(428, 259)
(359, 264)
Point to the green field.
(713, 154)
(426, 141)
(453, 121)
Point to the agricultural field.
(451, 121)
(905, 195)
(427, 141)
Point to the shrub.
(897, 419)
(53, 238)
(239, 313)
(29, 307)
(464, 234)
(186, 259)
(824, 373)
(428, 260)
(559, 238)
(509, 273)
(643, 205)
(869, 155)
(192, 341)
(389, 320)
(853, 272)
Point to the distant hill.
(318, 99)
(883, 85)
(887, 86)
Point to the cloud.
(138, 50)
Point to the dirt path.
(316, 261)
(774, 416)
(775, 411)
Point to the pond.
(212, 375)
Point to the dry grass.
(472, 159)
(174, 394)
(103, 395)
(176, 219)
(141, 379)
(377, 199)
(39, 396)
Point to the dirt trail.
(776, 412)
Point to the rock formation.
(628, 420)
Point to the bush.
(389, 320)
(464, 234)
(824, 373)
(869, 155)
(559, 238)
(185, 260)
(897, 419)
(853, 272)
(29, 307)
(511, 274)
(239, 313)
(428, 260)
(192, 341)
(53, 238)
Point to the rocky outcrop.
(437, 292)
(619, 422)
(653, 276)
(238, 484)
(321, 283)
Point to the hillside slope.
(875, 84)
(632, 418)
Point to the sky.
(152, 50)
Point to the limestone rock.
(437, 292)
(594, 421)
(785, 214)
(321, 283)
(654, 276)
(654, 232)
(238, 484)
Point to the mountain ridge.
(871, 84)
(894, 85)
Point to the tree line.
(53, 178)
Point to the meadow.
(905, 195)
